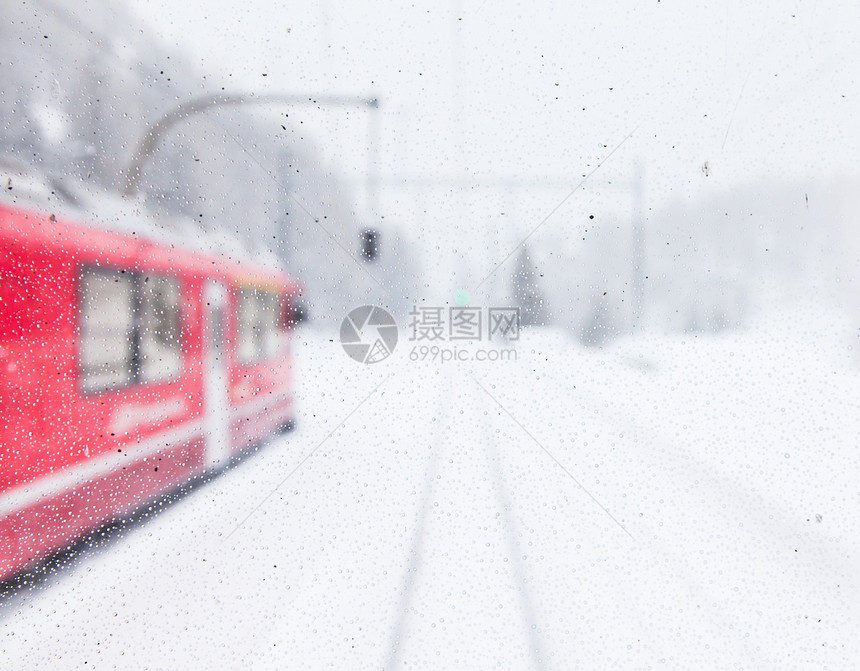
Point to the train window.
(270, 308)
(160, 346)
(293, 312)
(258, 314)
(129, 329)
(106, 329)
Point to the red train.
(126, 368)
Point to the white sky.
(543, 92)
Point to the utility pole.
(638, 249)
(373, 160)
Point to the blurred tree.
(526, 291)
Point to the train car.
(127, 367)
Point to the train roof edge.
(24, 190)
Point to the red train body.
(126, 368)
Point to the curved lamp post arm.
(150, 141)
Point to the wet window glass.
(429, 335)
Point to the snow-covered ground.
(664, 502)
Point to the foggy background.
(729, 130)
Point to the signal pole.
(638, 250)
(149, 142)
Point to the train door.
(216, 402)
